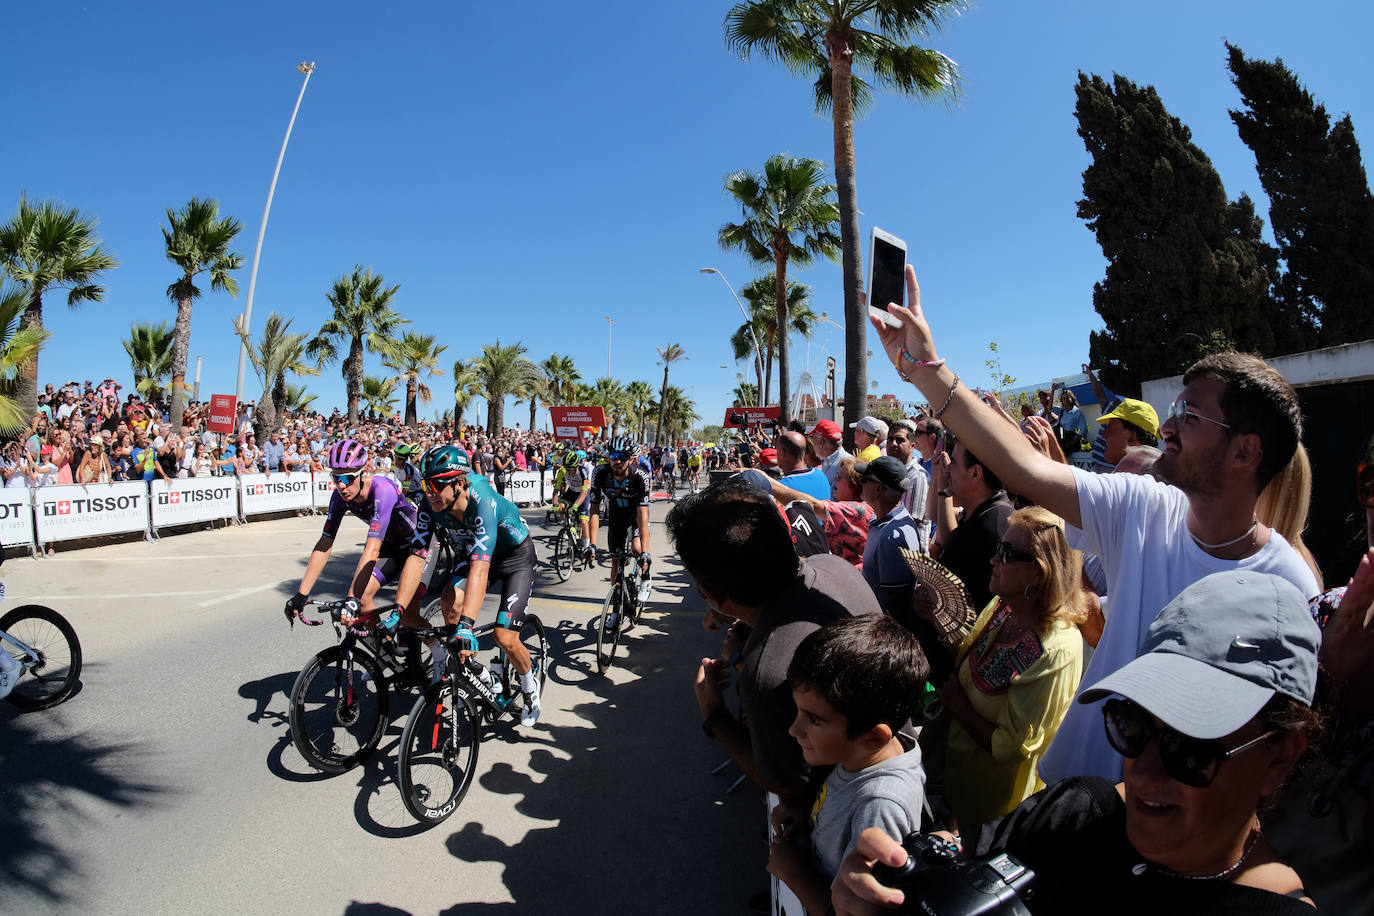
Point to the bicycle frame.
(466, 685)
(30, 653)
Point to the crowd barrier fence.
(34, 516)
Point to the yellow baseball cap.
(1137, 413)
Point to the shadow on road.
(47, 780)
(584, 780)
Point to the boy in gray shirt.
(855, 682)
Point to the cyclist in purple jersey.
(390, 534)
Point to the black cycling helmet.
(621, 447)
(443, 464)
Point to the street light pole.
(610, 323)
(758, 348)
(307, 68)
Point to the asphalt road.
(169, 783)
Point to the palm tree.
(362, 316)
(467, 384)
(298, 399)
(789, 216)
(609, 395)
(47, 247)
(679, 412)
(535, 393)
(641, 398)
(761, 294)
(198, 240)
(830, 38)
(278, 353)
(415, 355)
(503, 371)
(377, 394)
(669, 355)
(150, 352)
(563, 378)
(19, 346)
(744, 395)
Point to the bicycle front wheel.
(608, 636)
(438, 755)
(51, 677)
(564, 555)
(338, 714)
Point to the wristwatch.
(709, 723)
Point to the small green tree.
(378, 395)
(150, 357)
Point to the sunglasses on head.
(1009, 553)
(1181, 411)
(344, 480)
(1191, 761)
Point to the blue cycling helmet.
(621, 447)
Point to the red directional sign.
(222, 411)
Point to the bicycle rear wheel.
(337, 721)
(536, 643)
(438, 756)
(52, 678)
(607, 636)
(564, 555)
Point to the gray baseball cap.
(1218, 652)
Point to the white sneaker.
(530, 714)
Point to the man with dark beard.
(1235, 425)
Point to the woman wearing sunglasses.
(1210, 720)
(1017, 670)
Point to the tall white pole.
(195, 394)
(758, 348)
(610, 323)
(246, 324)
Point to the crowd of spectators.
(1037, 579)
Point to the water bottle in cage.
(483, 675)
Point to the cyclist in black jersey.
(626, 486)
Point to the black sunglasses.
(1191, 761)
(1010, 554)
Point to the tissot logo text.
(91, 504)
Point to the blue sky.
(524, 169)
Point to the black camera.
(939, 880)
(737, 419)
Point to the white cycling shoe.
(530, 714)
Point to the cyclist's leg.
(516, 572)
(383, 571)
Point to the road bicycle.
(442, 737)
(623, 604)
(567, 546)
(339, 704)
(43, 656)
(340, 700)
(664, 479)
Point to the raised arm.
(998, 444)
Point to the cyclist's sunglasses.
(1191, 761)
(619, 456)
(435, 486)
(344, 480)
(1009, 554)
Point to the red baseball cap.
(769, 457)
(826, 428)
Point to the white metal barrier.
(69, 512)
(188, 500)
(281, 492)
(16, 517)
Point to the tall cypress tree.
(1319, 200)
(1187, 273)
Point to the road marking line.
(106, 597)
(241, 593)
(208, 556)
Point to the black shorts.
(516, 572)
(616, 528)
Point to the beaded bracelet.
(918, 363)
(945, 406)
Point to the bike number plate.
(2, 591)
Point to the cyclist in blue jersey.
(390, 541)
(625, 485)
(492, 543)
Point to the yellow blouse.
(1025, 689)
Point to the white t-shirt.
(914, 497)
(1138, 526)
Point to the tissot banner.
(78, 511)
(275, 493)
(193, 499)
(16, 516)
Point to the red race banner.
(568, 422)
(749, 416)
(223, 409)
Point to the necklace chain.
(1250, 843)
(1236, 540)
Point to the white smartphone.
(886, 274)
